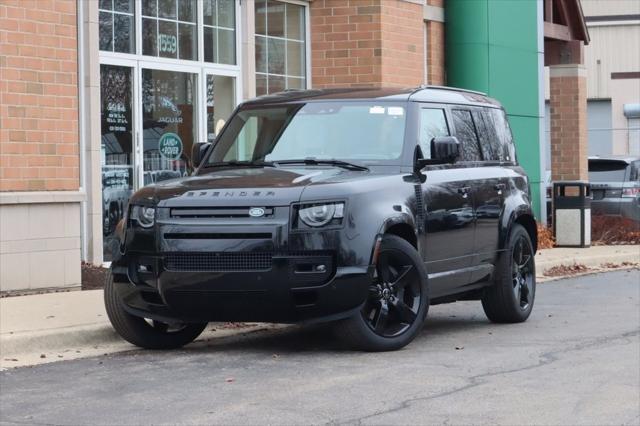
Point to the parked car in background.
(615, 186)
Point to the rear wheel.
(511, 298)
(397, 303)
(146, 333)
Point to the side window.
(503, 131)
(467, 135)
(490, 143)
(433, 123)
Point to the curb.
(41, 347)
(591, 261)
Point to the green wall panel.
(516, 89)
(492, 46)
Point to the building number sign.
(168, 43)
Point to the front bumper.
(280, 294)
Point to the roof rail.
(453, 89)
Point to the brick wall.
(569, 146)
(38, 95)
(402, 43)
(366, 43)
(345, 42)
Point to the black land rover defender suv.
(357, 206)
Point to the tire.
(139, 331)
(393, 314)
(511, 298)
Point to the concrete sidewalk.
(50, 327)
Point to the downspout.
(81, 130)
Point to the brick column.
(569, 147)
(357, 43)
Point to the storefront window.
(219, 18)
(169, 123)
(116, 147)
(117, 27)
(280, 46)
(169, 29)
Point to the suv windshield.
(348, 131)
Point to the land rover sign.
(170, 146)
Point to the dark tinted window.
(607, 171)
(495, 135)
(467, 135)
(503, 131)
(433, 123)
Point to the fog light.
(321, 268)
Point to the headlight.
(316, 215)
(145, 216)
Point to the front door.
(449, 222)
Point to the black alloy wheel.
(511, 296)
(394, 296)
(523, 278)
(397, 302)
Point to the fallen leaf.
(43, 356)
(230, 380)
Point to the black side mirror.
(198, 152)
(445, 149)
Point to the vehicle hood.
(250, 186)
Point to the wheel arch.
(529, 224)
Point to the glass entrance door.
(221, 100)
(117, 153)
(169, 124)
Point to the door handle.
(464, 191)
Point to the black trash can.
(572, 213)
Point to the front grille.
(219, 262)
(216, 212)
(233, 261)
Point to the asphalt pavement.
(576, 361)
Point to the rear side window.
(467, 134)
(495, 135)
(503, 131)
(433, 123)
(607, 171)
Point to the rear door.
(490, 184)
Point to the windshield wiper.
(241, 163)
(315, 162)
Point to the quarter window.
(467, 134)
(280, 46)
(219, 31)
(169, 29)
(433, 123)
(117, 28)
(503, 131)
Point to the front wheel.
(511, 298)
(146, 333)
(397, 303)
